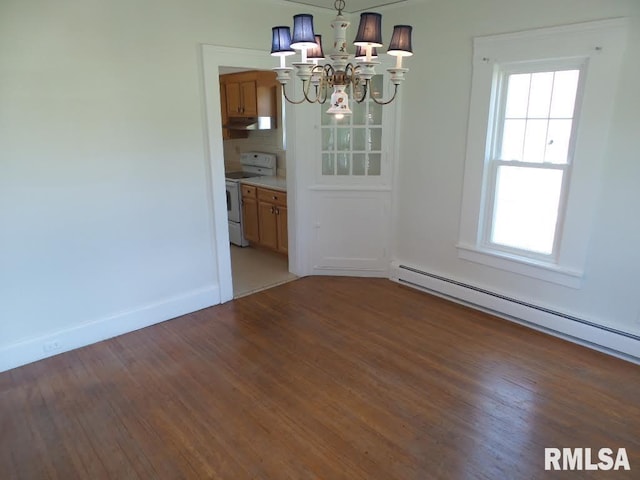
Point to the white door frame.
(214, 57)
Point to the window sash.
(531, 68)
(491, 208)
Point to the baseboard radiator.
(606, 339)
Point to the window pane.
(565, 86)
(376, 87)
(513, 139)
(540, 95)
(326, 118)
(344, 163)
(375, 114)
(374, 164)
(517, 95)
(328, 164)
(535, 139)
(526, 208)
(359, 139)
(359, 164)
(328, 139)
(375, 139)
(359, 112)
(344, 139)
(558, 138)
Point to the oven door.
(233, 201)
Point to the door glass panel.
(359, 139)
(359, 113)
(359, 164)
(344, 139)
(328, 139)
(328, 164)
(344, 163)
(375, 114)
(375, 139)
(374, 164)
(353, 145)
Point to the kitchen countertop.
(275, 183)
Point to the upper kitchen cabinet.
(250, 94)
(227, 133)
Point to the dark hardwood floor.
(321, 378)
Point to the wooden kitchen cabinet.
(267, 209)
(268, 225)
(242, 99)
(272, 213)
(250, 214)
(283, 231)
(250, 94)
(226, 133)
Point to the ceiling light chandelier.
(340, 73)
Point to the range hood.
(250, 123)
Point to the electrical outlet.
(52, 346)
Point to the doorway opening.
(255, 175)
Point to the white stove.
(254, 164)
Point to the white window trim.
(599, 45)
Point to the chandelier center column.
(339, 55)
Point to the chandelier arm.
(387, 102)
(326, 82)
(308, 83)
(295, 102)
(328, 70)
(365, 90)
(322, 94)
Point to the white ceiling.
(352, 6)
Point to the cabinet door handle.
(277, 211)
(273, 210)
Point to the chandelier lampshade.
(281, 42)
(316, 52)
(303, 36)
(370, 30)
(400, 44)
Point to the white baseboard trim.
(78, 336)
(350, 272)
(587, 333)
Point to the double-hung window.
(530, 161)
(541, 104)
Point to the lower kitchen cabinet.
(283, 232)
(265, 209)
(250, 214)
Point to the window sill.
(523, 266)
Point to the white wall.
(434, 127)
(105, 199)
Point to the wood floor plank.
(320, 378)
